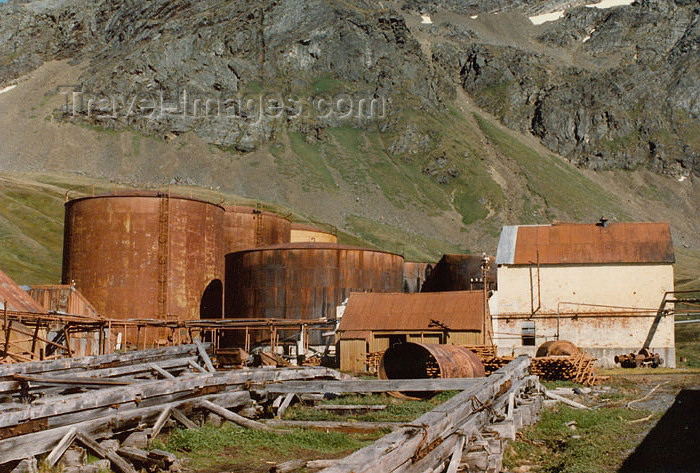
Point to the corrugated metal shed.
(577, 243)
(17, 299)
(457, 310)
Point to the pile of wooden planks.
(46, 407)
(372, 360)
(579, 368)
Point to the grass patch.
(389, 238)
(598, 444)
(231, 445)
(560, 185)
(311, 163)
(688, 345)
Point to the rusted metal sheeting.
(17, 298)
(144, 254)
(248, 227)
(62, 298)
(415, 274)
(423, 360)
(458, 310)
(574, 243)
(304, 233)
(461, 273)
(305, 280)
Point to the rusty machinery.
(636, 360)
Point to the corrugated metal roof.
(458, 310)
(577, 243)
(17, 299)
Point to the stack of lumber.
(373, 359)
(494, 363)
(48, 406)
(482, 351)
(579, 368)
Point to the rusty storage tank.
(461, 273)
(305, 280)
(426, 360)
(304, 233)
(415, 274)
(248, 227)
(145, 255)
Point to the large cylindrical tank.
(415, 274)
(305, 280)
(146, 255)
(248, 227)
(303, 233)
(461, 273)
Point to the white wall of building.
(575, 292)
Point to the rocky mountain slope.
(422, 126)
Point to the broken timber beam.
(374, 385)
(233, 417)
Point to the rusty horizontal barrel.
(424, 360)
(557, 348)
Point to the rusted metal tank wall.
(143, 255)
(303, 233)
(415, 275)
(305, 280)
(247, 227)
(460, 273)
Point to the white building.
(599, 286)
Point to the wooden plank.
(161, 371)
(86, 362)
(52, 380)
(339, 426)
(118, 462)
(204, 356)
(33, 444)
(377, 385)
(285, 404)
(233, 417)
(62, 446)
(182, 418)
(350, 407)
(456, 455)
(160, 422)
(196, 366)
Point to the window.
(528, 333)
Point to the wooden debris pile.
(373, 359)
(115, 405)
(579, 368)
(466, 432)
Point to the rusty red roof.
(17, 299)
(581, 243)
(458, 310)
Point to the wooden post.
(34, 338)
(7, 328)
(66, 331)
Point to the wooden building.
(372, 322)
